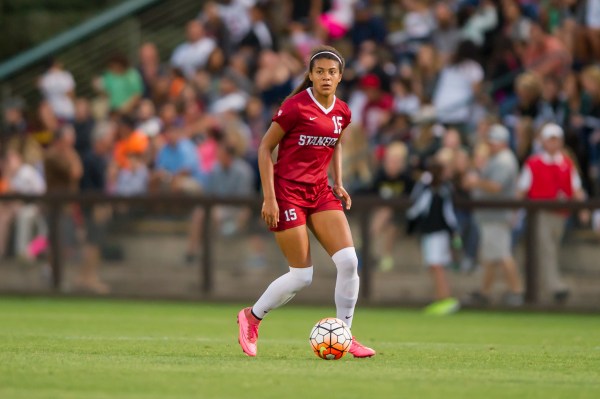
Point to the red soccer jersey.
(311, 133)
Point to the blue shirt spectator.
(179, 157)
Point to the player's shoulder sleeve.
(347, 115)
(287, 115)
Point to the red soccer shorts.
(298, 201)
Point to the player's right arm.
(270, 210)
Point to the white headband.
(327, 52)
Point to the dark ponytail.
(327, 52)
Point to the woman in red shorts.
(308, 129)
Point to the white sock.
(282, 290)
(346, 284)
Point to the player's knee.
(346, 261)
(303, 276)
(304, 281)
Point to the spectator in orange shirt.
(177, 83)
(129, 141)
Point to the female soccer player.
(308, 129)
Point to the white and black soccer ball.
(330, 338)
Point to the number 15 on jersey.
(337, 124)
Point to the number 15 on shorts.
(290, 214)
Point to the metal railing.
(362, 207)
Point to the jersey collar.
(325, 110)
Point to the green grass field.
(69, 348)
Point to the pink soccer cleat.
(248, 326)
(359, 350)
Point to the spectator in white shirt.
(148, 122)
(235, 14)
(25, 179)
(58, 88)
(231, 98)
(458, 86)
(405, 101)
(193, 54)
(478, 21)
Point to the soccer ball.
(330, 338)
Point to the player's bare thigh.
(331, 229)
(295, 245)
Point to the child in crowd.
(29, 224)
(432, 216)
(133, 180)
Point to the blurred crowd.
(424, 79)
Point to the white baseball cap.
(552, 130)
(498, 134)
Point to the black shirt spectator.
(94, 172)
(367, 26)
(84, 125)
(260, 35)
(95, 161)
(390, 186)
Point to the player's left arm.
(338, 186)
